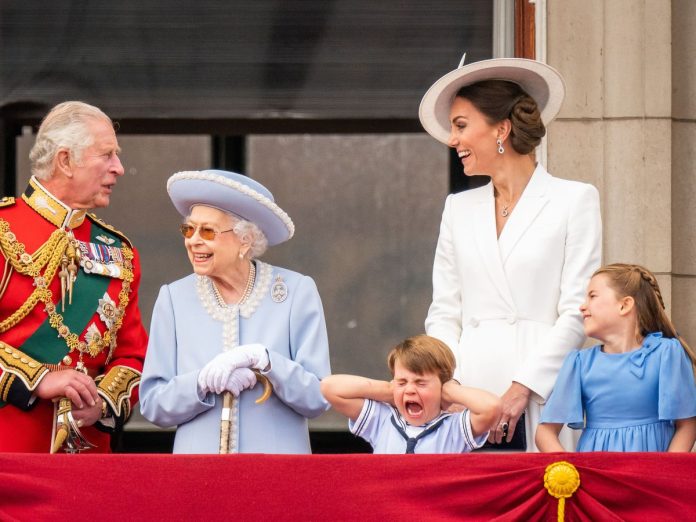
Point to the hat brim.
(191, 188)
(541, 81)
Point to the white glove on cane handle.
(240, 380)
(214, 375)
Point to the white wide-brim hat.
(234, 193)
(541, 81)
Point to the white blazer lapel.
(486, 241)
(532, 201)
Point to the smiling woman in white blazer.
(514, 256)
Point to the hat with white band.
(541, 81)
(234, 193)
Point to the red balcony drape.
(613, 486)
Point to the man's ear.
(627, 304)
(63, 162)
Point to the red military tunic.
(100, 330)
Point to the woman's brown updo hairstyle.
(500, 99)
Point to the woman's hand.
(214, 375)
(240, 379)
(515, 400)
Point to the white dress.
(508, 307)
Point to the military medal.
(107, 310)
(101, 259)
(105, 239)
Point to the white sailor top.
(384, 428)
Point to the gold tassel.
(72, 254)
(63, 274)
(561, 480)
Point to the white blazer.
(508, 307)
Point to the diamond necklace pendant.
(505, 212)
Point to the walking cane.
(226, 416)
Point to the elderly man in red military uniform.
(72, 342)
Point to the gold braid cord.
(50, 255)
(17, 363)
(115, 388)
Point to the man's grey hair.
(64, 127)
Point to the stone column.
(684, 168)
(615, 129)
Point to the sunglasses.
(204, 232)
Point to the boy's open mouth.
(413, 408)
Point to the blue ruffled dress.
(627, 401)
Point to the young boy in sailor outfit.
(412, 412)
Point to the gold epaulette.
(108, 227)
(7, 201)
(116, 387)
(20, 364)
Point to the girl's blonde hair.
(639, 283)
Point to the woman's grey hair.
(65, 127)
(250, 233)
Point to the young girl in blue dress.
(636, 390)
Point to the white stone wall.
(628, 126)
(683, 39)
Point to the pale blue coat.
(184, 336)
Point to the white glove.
(240, 380)
(215, 374)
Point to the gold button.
(32, 364)
(67, 360)
(24, 360)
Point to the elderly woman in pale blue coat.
(234, 321)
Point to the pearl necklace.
(215, 306)
(247, 289)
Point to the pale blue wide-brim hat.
(541, 81)
(234, 193)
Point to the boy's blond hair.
(423, 354)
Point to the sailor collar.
(51, 208)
